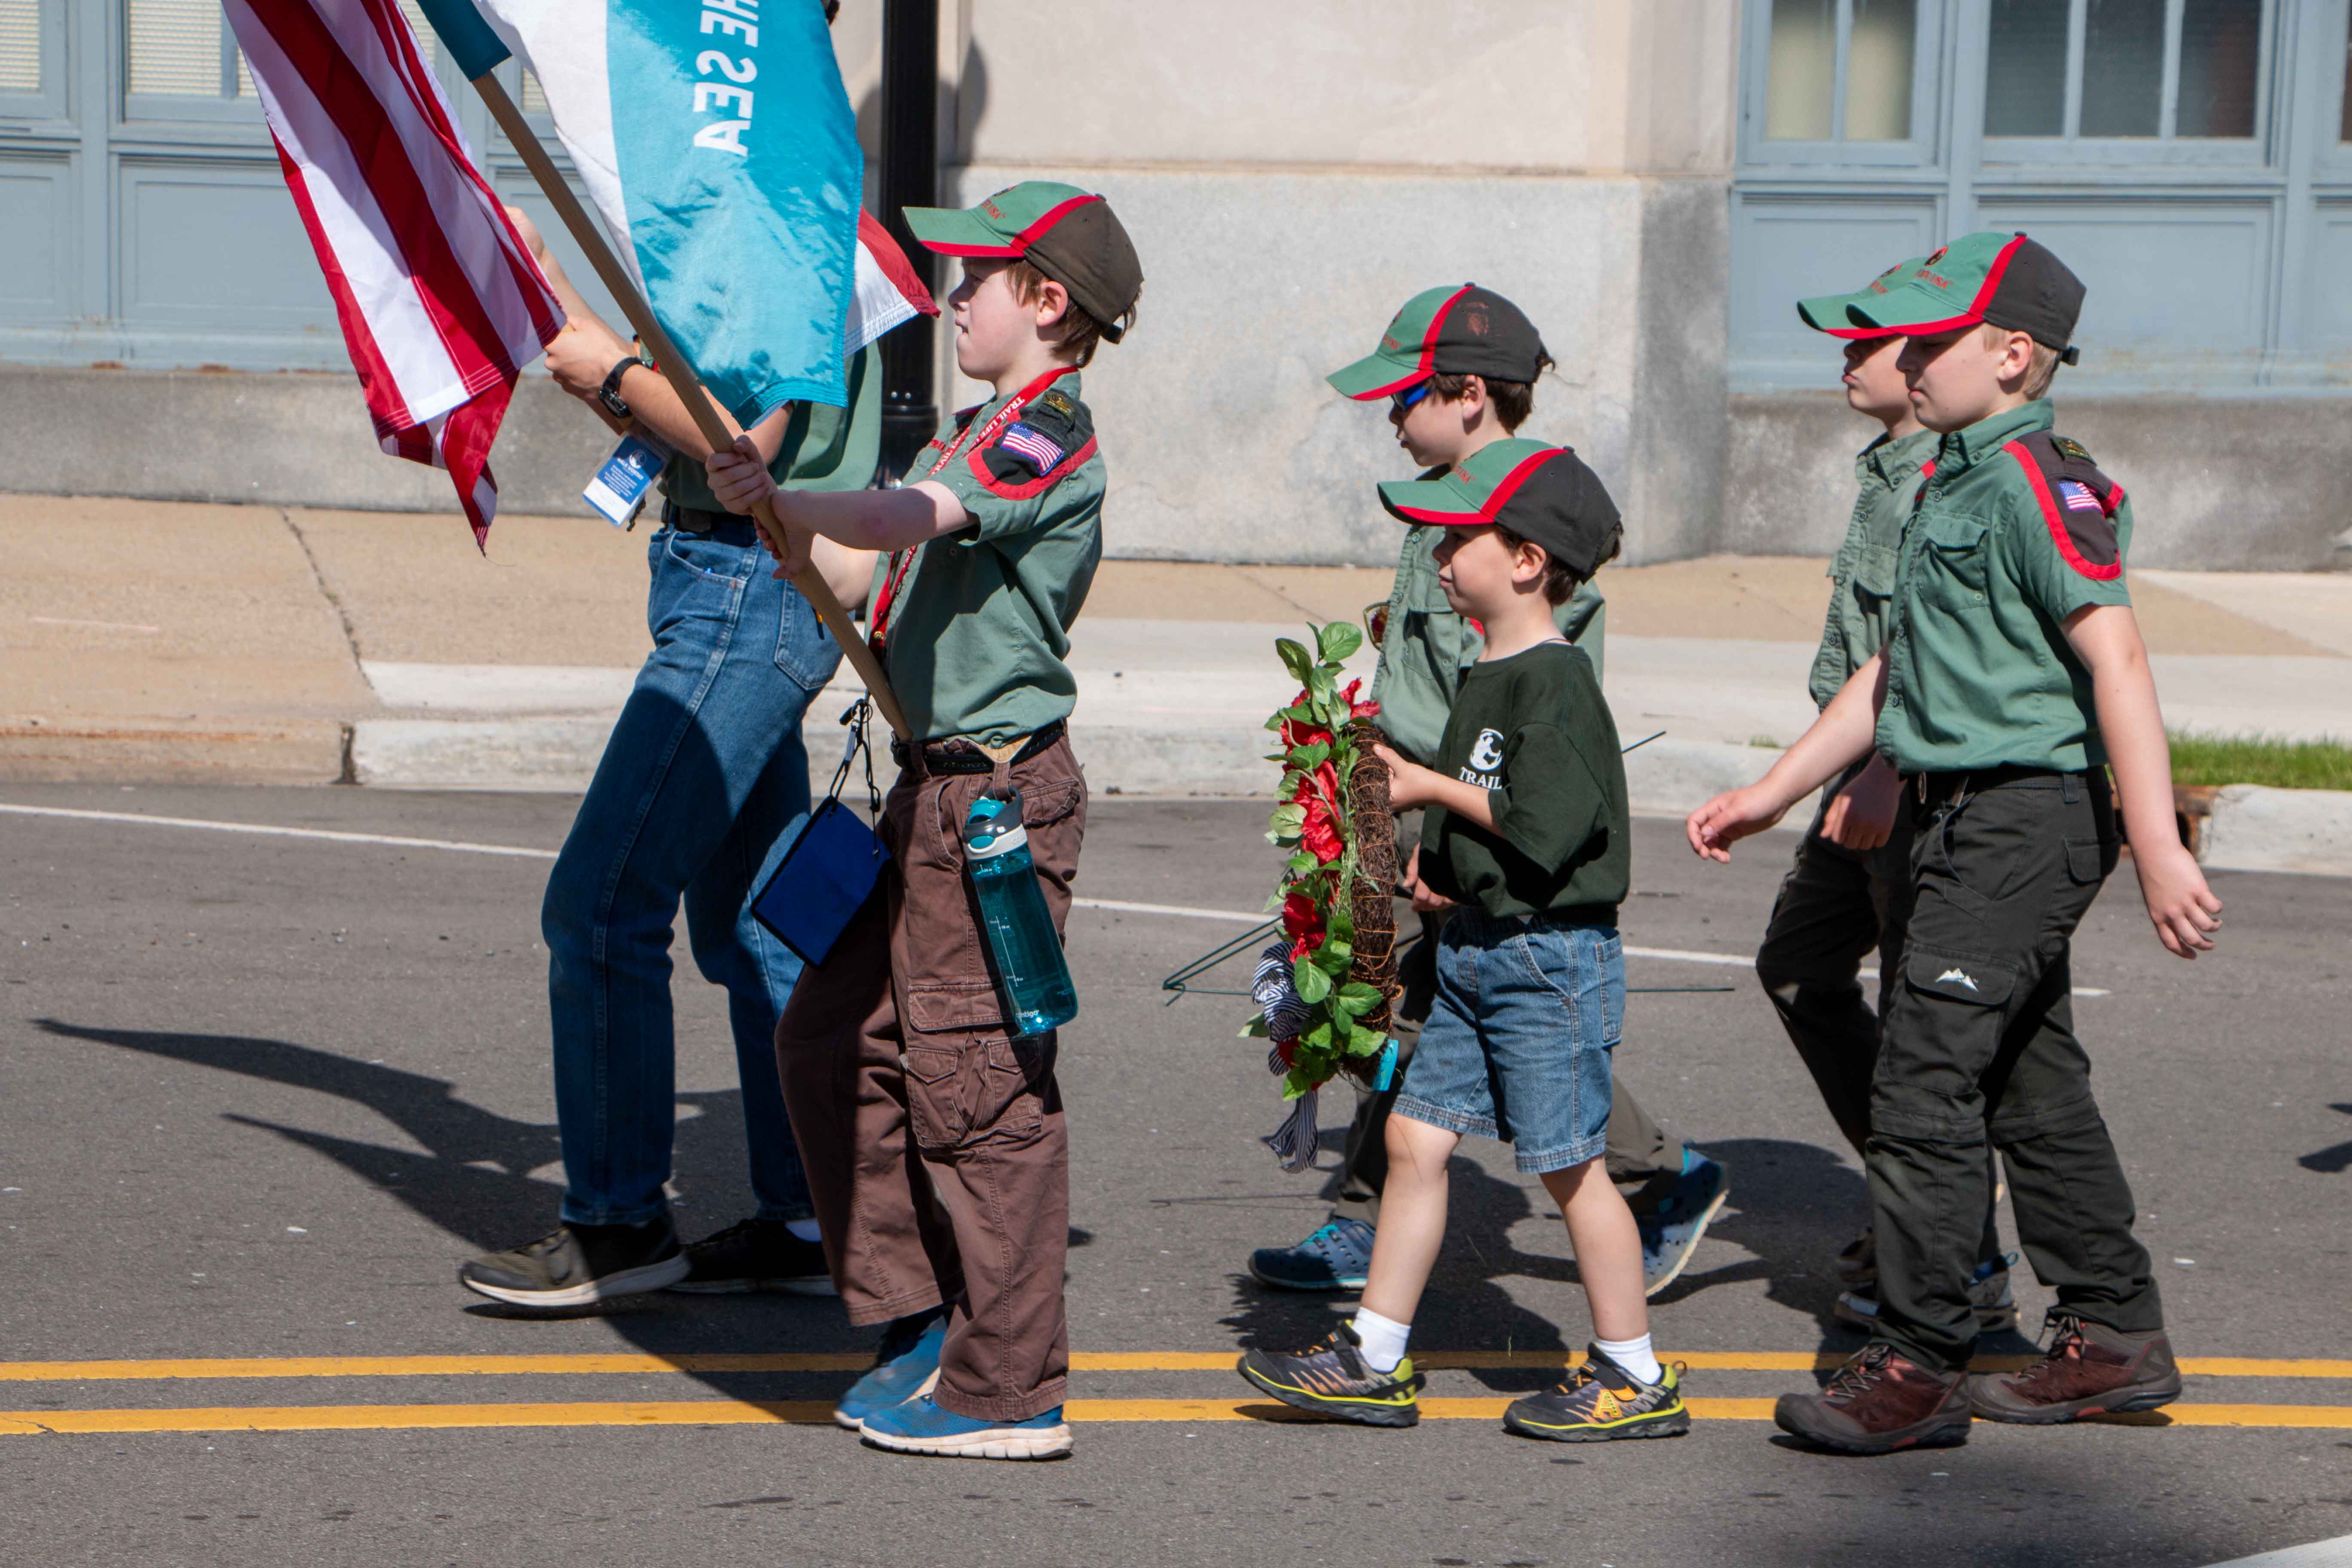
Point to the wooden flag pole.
(689, 388)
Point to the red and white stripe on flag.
(440, 301)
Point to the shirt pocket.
(1954, 562)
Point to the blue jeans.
(1518, 1040)
(701, 789)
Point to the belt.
(1932, 788)
(694, 520)
(963, 757)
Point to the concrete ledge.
(2258, 829)
(269, 751)
(552, 754)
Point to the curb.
(2254, 828)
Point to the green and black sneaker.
(1334, 1380)
(1601, 1401)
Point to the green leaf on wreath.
(1294, 660)
(1363, 1042)
(1303, 861)
(1320, 688)
(1339, 640)
(1333, 957)
(1313, 984)
(1255, 1029)
(1305, 759)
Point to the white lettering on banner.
(737, 17)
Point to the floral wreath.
(1325, 987)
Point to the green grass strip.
(2261, 760)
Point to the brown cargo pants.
(936, 1151)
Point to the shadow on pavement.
(473, 1181)
(2331, 1160)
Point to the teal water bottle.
(1033, 978)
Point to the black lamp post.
(910, 177)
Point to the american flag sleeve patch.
(1042, 450)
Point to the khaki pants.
(936, 1151)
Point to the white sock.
(803, 1229)
(1383, 1338)
(1634, 1355)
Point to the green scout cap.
(1827, 313)
(2001, 279)
(1467, 331)
(1069, 235)
(1538, 492)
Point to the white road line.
(1120, 906)
(279, 832)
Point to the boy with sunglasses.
(1457, 367)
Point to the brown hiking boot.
(2089, 1369)
(1880, 1402)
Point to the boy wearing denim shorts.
(1525, 832)
(1457, 369)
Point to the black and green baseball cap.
(1999, 280)
(1827, 313)
(1467, 331)
(1538, 492)
(1069, 235)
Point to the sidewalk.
(147, 641)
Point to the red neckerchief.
(902, 562)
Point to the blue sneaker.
(1334, 1259)
(906, 1366)
(920, 1427)
(1670, 1234)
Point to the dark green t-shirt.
(825, 448)
(1533, 730)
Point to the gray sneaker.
(579, 1265)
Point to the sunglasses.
(1400, 401)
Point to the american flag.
(2079, 496)
(440, 303)
(1034, 445)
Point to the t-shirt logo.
(1487, 755)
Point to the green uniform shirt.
(1533, 732)
(2015, 530)
(975, 631)
(825, 448)
(1890, 472)
(1426, 647)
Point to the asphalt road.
(260, 1095)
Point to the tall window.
(2125, 69)
(185, 49)
(20, 47)
(1840, 70)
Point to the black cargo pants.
(1979, 1042)
(1836, 907)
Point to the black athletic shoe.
(1601, 1401)
(1333, 1380)
(756, 1255)
(577, 1265)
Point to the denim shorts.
(1517, 1043)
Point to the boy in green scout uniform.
(934, 1140)
(1457, 367)
(1849, 893)
(2012, 677)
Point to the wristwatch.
(609, 394)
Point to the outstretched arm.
(2182, 906)
(1841, 737)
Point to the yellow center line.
(733, 1412)
(606, 1363)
